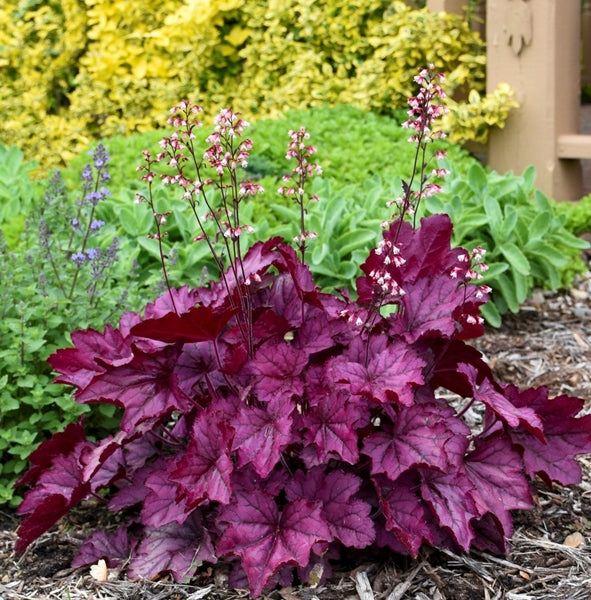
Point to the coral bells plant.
(275, 427)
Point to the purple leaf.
(276, 372)
(265, 538)
(348, 518)
(57, 490)
(420, 436)
(389, 376)
(145, 387)
(502, 406)
(159, 507)
(200, 324)
(330, 425)
(427, 308)
(60, 444)
(566, 435)
(114, 547)
(203, 473)
(79, 365)
(406, 515)
(173, 548)
(496, 470)
(453, 499)
(261, 435)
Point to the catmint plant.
(277, 428)
(64, 273)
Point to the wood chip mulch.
(547, 343)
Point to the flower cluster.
(300, 151)
(425, 109)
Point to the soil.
(547, 343)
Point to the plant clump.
(276, 427)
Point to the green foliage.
(525, 237)
(17, 191)
(44, 295)
(577, 215)
(74, 71)
(363, 157)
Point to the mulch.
(547, 343)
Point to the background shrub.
(74, 71)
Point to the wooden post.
(535, 46)
(586, 35)
(448, 6)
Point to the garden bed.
(547, 343)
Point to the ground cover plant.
(276, 427)
(62, 268)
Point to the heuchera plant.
(276, 427)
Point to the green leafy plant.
(66, 270)
(352, 188)
(17, 192)
(525, 237)
(577, 215)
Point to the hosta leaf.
(265, 538)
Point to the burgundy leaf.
(78, 365)
(501, 405)
(348, 518)
(200, 324)
(427, 249)
(566, 436)
(406, 515)
(114, 547)
(453, 498)
(203, 473)
(496, 470)
(265, 538)
(60, 444)
(173, 548)
(427, 308)
(422, 435)
(390, 375)
(159, 505)
(57, 490)
(184, 299)
(145, 387)
(276, 371)
(261, 435)
(330, 425)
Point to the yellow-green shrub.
(75, 70)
